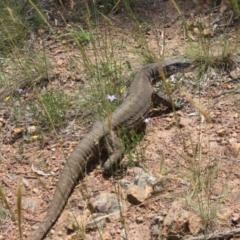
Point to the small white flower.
(111, 98)
(19, 90)
(147, 120)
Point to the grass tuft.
(50, 109)
(235, 4)
(24, 70)
(18, 19)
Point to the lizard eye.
(171, 69)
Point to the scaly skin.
(128, 115)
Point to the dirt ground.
(200, 154)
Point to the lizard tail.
(73, 170)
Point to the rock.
(179, 222)
(106, 236)
(207, 32)
(137, 195)
(235, 74)
(145, 179)
(138, 232)
(144, 185)
(141, 188)
(156, 226)
(30, 204)
(97, 221)
(17, 132)
(2, 122)
(31, 129)
(105, 203)
(139, 219)
(59, 62)
(221, 132)
(232, 150)
(236, 218)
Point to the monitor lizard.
(128, 116)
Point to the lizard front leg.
(161, 98)
(115, 150)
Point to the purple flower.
(111, 98)
(147, 120)
(19, 90)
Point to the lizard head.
(172, 66)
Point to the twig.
(234, 91)
(225, 235)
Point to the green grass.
(134, 149)
(235, 4)
(18, 19)
(25, 69)
(104, 71)
(21, 66)
(50, 109)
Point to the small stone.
(137, 45)
(9, 195)
(60, 62)
(236, 116)
(139, 219)
(207, 32)
(106, 236)
(236, 217)
(221, 132)
(17, 131)
(235, 74)
(179, 221)
(168, 119)
(105, 203)
(2, 122)
(35, 190)
(204, 151)
(234, 134)
(196, 30)
(31, 129)
(137, 195)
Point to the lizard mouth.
(185, 66)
